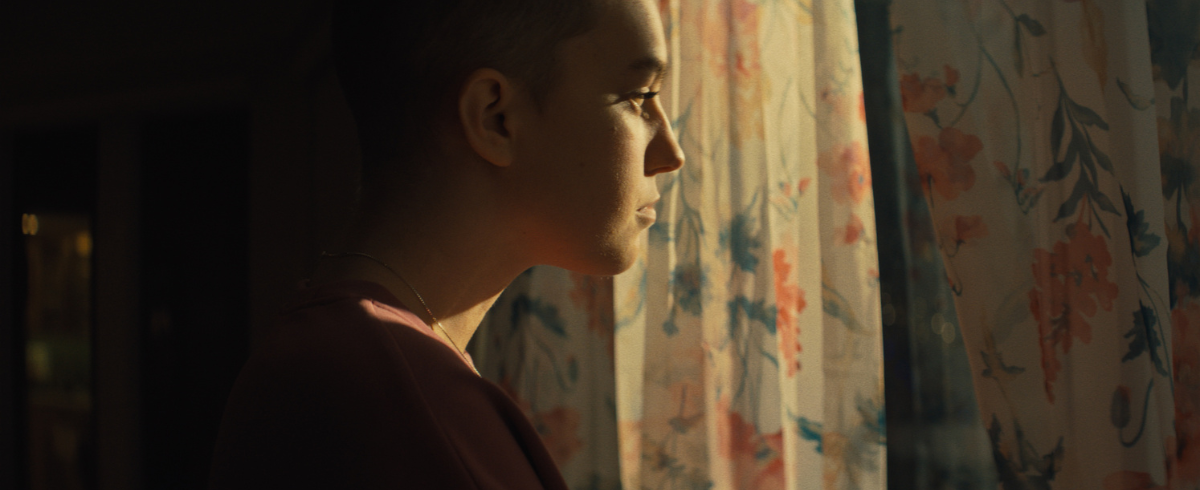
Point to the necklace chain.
(410, 288)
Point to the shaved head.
(402, 64)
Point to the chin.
(617, 266)
(607, 261)
(605, 266)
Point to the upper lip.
(649, 204)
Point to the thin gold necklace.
(410, 288)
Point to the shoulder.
(332, 393)
(348, 351)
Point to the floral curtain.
(935, 438)
(748, 349)
(1057, 154)
(746, 344)
(548, 342)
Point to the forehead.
(627, 33)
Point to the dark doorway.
(195, 315)
(54, 198)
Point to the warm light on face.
(29, 224)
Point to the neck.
(448, 248)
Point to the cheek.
(607, 155)
(592, 164)
(618, 163)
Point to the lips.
(648, 212)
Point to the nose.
(663, 154)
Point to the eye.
(639, 98)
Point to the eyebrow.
(650, 64)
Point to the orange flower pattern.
(963, 230)
(944, 163)
(1184, 448)
(1071, 280)
(735, 24)
(852, 231)
(951, 75)
(757, 459)
(594, 295)
(850, 168)
(789, 301)
(920, 95)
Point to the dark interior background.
(208, 150)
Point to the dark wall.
(194, 291)
(223, 159)
(9, 346)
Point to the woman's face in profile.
(592, 154)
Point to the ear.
(486, 107)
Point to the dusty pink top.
(355, 391)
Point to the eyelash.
(643, 96)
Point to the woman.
(496, 135)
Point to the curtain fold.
(748, 350)
(935, 438)
(1053, 145)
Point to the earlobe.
(483, 109)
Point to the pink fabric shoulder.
(355, 391)
(383, 305)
